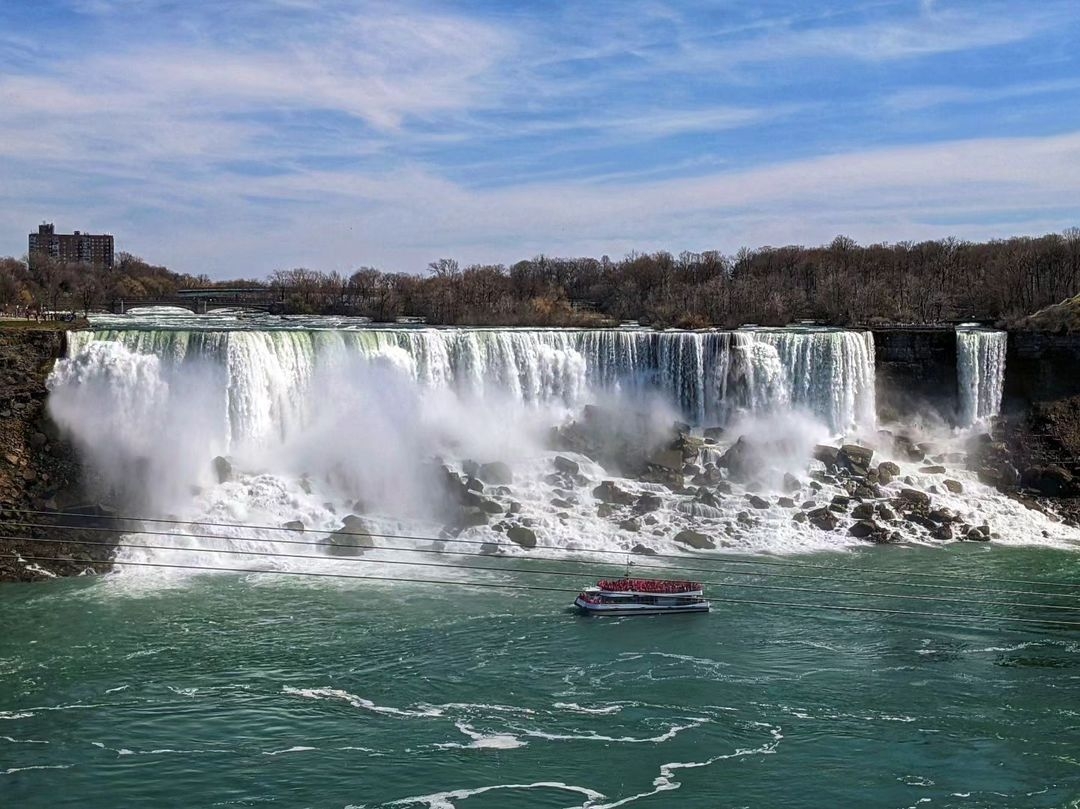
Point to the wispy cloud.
(488, 130)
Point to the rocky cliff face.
(915, 368)
(39, 470)
(1040, 420)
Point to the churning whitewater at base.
(298, 443)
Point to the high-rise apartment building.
(72, 248)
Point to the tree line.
(842, 283)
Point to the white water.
(314, 420)
(980, 368)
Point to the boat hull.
(590, 608)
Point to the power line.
(797, 565)
(508, 544)
(488, 568)
(950, 618)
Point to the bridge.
(201, 301)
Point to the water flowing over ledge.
(980, 367)
(707, 376)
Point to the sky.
(236, 137)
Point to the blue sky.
(234, 137)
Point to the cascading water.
(980, 368)
(318, 423)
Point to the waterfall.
(980, 369)
(707, 376)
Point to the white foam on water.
(668, 735)
(296, 749)
(485, 741)
(445, 800)
(13, 770)
(360, 702)
(573, 707)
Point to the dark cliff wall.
(39, 469)
(1041, 367)
(915, 368)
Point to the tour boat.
(628, 596)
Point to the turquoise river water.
(286, 691)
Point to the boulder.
(854, 459)
(605, 510)
(715, 433)
(608, 492)
(630, 525)
(694, 539)
(294, 525)
(807, 505)
(827, 455)
(785, 502)
(863, 529)
(954, 486)
(757, 502)
(886, 513)
(222, 469)
(566, 465)
(978, 533)
(351, 539)
(514, 507)
(491, 507)
(791, 483)
(824, 519)
(942, 515)
(914, 497)
(722, 487)
(648, 502)
(944, 532)
(707, 498)
(642, 550)
(474, 484)
(863, 511)
(490, 549)
(496, 473)
(744, 518)
(520, 535)
(669, 459)
(840, 503)
(932, 470)
(799, 517)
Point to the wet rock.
(496, 473)
(815, 486)
(908, 449)
(854, 459)
(863, 511)
(715, 433)
(954, 486)
(520, 535)
(722, 487)
(474, 484)
(886, 513)
(840, 503)
(785, 502)
(491, 507)
(670, 459)
(757, 502)
(744, 518)
(943, 532)
(222, 469)
(566, 465)
(294, 525)
(642, 550)
(799, 517)
(865, 492)
(942, 515)
(694, 539)
(630, 525)
(1049, 481)
(933, 470)
(648, 502)
(608, 492)
(863, 529)
(791, 483)
(490, 549)
(351, 539)
(824, 519)
(605, 510)
(558, 502)
(978, 533)
(887, 472)
(470, 468)
(807, 505)
(914, 497)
